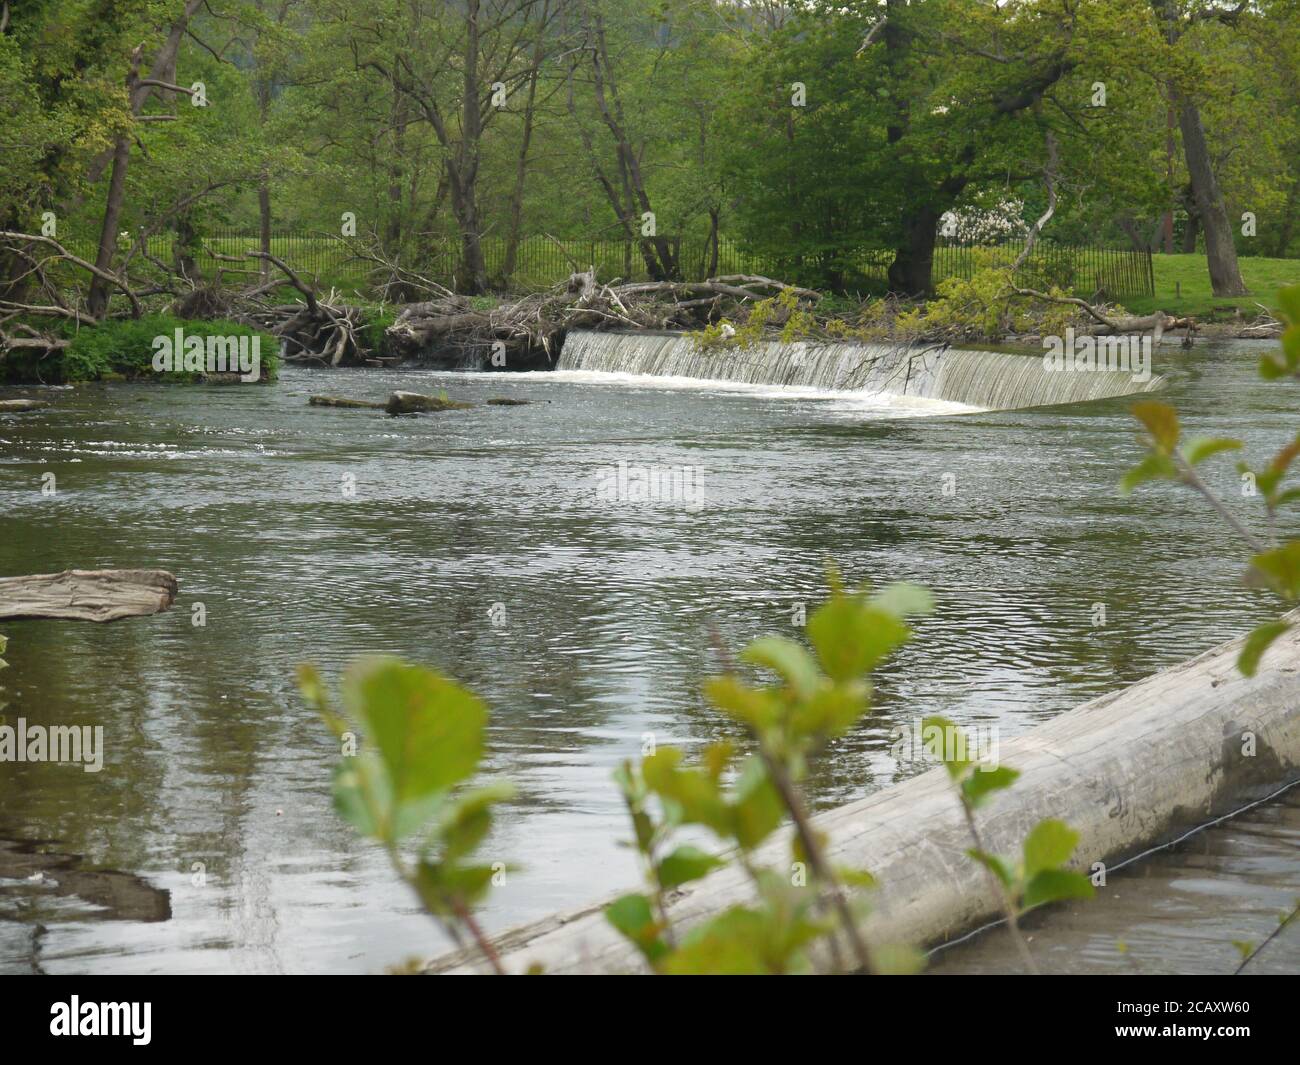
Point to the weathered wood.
(1128, 771)
(415, 403)
(87, 595)
(18, 406)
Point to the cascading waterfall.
(990, 380)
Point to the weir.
(988, 380)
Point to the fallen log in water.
(18, 406)
(1128, 771)
(87, 595)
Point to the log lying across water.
(19, 406)
(87, 595)
(1128, 771)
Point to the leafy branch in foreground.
(818, 696)
(1273, 565)
(1039, 876)
(403, 785)
(400, 785)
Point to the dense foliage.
(820, 136)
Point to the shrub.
(125, 348)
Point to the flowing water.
(991, 380)
(482, 542)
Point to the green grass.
(123, 349)
(1188, 276)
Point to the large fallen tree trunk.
(1128, 771)
(87, 595)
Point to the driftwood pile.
(525, 331)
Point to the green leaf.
(856, 878)
(903, 600)
(1288, 300)
(945, 741)
(1154, 467)
(786, 658)
(1200, 448)
(634, 918)
(983, 783)
(696, 794)
(1257, 643)
(1048, 846)
(757, 810)
(995, 864)
(466, 821)
(852, 637)
(428, 729)
(832, 711)
(1161, 421)
(361, 796)
(685, 864)
(450, 888)
(1052, 885)
(1278, 570)
(729, 945)
(757, 708)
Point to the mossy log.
(87, 595)
(338, 401)
(415, 403)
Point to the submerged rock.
(338, 401)
(415, 403)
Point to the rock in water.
(17, 406)
(337, 401)
(415, 403)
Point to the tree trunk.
(521, 169)
(712, 269)
(184, 245)
(97, 300)
(910, 273)
(1220, 251)
(1193, 226)
(1287, 229)
(264, 222)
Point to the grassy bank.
(124, 350)
(1183, 287)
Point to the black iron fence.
(540, 261)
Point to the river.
(478, 542)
